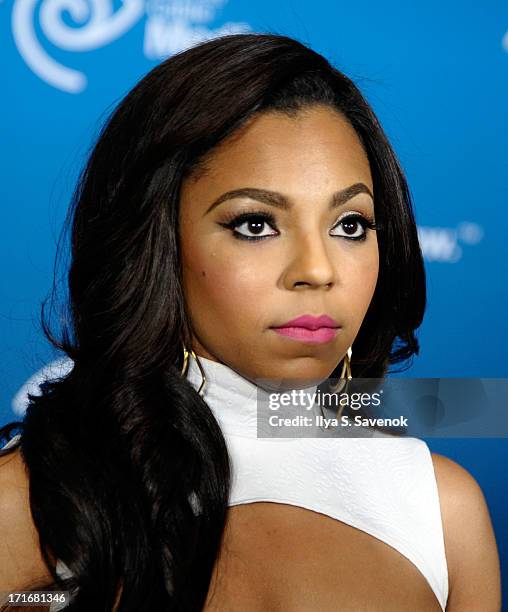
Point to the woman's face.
(295, 253)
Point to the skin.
(235, 289)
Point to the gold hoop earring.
(345, 377)
(186, 354)
(346, 372)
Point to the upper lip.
(311, 322)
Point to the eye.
(253, 226)
(354, 227)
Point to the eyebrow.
(273, 198)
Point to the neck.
(232, 397)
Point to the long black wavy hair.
(116, 448)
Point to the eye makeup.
(260, 218)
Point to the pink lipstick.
(309, 329)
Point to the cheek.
(370, 272)
(225, 290)
(359, 281)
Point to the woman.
(240, 184)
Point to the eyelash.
(234, 221)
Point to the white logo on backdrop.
(55, 369)
(174, 26)
(444, 244)
(171, 26)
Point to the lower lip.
(311, 336)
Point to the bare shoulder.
(21, 562)
(470, 545)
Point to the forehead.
(317, 149)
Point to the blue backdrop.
(436, 74)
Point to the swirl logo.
(171, 26)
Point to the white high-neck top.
(384, 485)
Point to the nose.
(311, 264)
